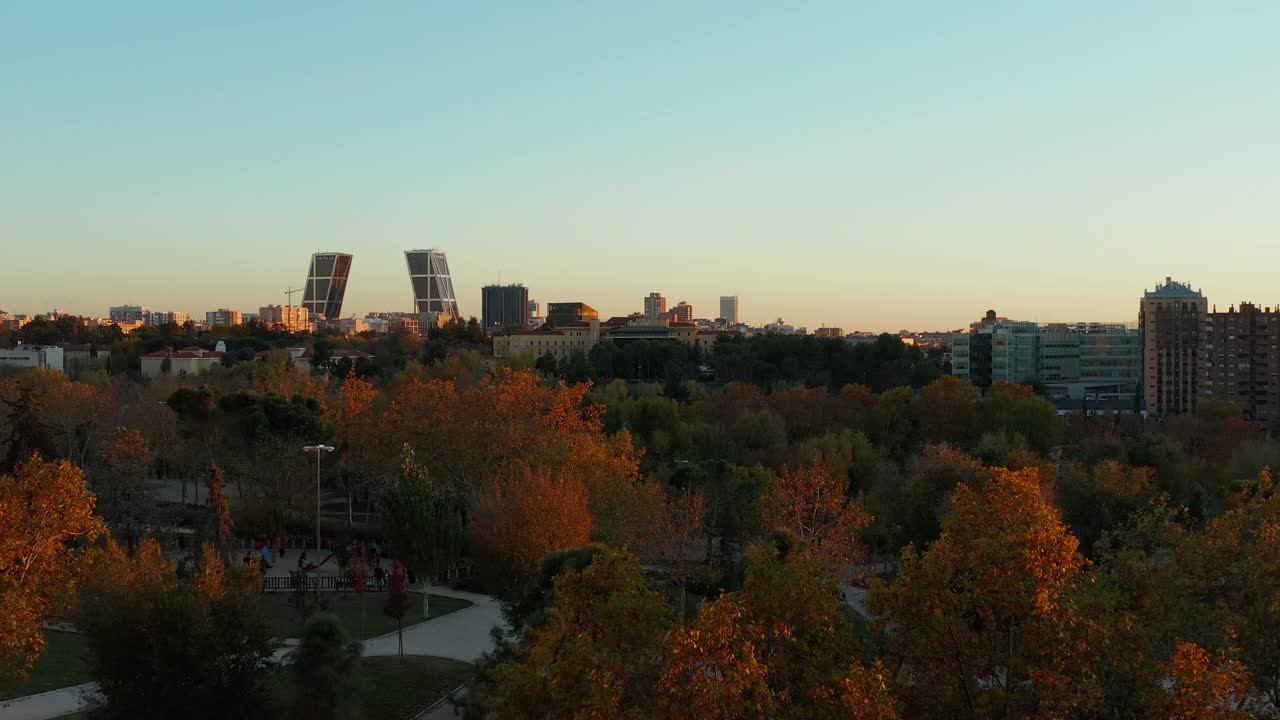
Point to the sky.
(874, 166)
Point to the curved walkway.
(460, 635)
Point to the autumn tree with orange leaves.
(479, 437)
(814, 503)
(515, 522)
(782, 647)
(1205, 687)
(984, 623)
(44, 510)
(597, 655)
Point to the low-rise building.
(563, 340)
(304, 361)
(829, 332)
(189, 360)
(33, 356)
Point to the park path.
(460, 635)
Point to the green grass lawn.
(346, 606)
(60, 665)
(397, 689)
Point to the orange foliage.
(478, 437)
(1205, 688)
(44, 508)
(814, 503)
(985, 618)
(518, 521)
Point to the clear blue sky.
(875, 166)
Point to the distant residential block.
(1243, 360)
(1172, 319)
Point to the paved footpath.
(461, 635)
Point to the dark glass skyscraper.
(504, 306)
(326, 284)
(432, 284)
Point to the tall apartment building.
(681, 313)
(1076, 361)
(504, 306)
(1242, 348)
(129, 313)
(293, 318)
(432, 283)
(564, 313)
(327, 276)
(223, 316)
(174, 317)
(1172, 321)
(829, 332)
(655, 306)
(729, 308)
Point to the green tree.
(326, 671)
(165, 646)
(423, 519)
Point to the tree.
(361, 446)
(783, 647)
(423, 520)
(121, 484)
(985, 622)
(165, 646)
(221, 526)
(397, 604)
(946, 408)
(515, 522)
(814, 503)
(44, 511)
(1205, 688)
(597, 655)
(326, 671)
(683, 529)
(359, 575)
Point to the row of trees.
(1001, 617)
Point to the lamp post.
(317, 449)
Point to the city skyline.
(878, 169)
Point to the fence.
(310, 582)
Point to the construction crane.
(290, 293)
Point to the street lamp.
(317, 449)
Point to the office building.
(681, 313)
(535, 314)
(1081, 365)
(432, 283)
(223, 317)
(729, 309)
(504, 306)
(293, 318)
(327, 276)
(1242, 348)
(655, 306)
(1172, 319)
(564, 313)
